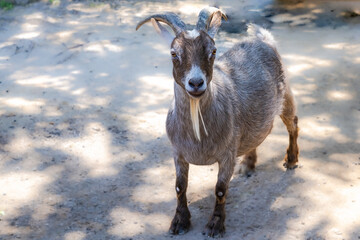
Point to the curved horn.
(210, 16)
(170, 19)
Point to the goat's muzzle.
(196, 87)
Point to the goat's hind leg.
(247, 165)
(181, 221)
(290, 119)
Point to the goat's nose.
(196, 83)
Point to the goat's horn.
(205, 17)
(170, 19)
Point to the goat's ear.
(210, 20)
(161, 30)
(215, 23)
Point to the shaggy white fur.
(195, 111)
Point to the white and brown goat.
(236, 98)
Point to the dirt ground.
(83, 102)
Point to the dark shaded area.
(308, 12)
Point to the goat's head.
(192, 52)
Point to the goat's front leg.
(181, 221)
(215, 227)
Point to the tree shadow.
(83, 148)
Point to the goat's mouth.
(196, 94)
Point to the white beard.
(195, 111)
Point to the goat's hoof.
(290, 166)
(290, 161)
(179, 225)
(245, 171)
(215, 227)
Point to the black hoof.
(215, 228)
(180, 224)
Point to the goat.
(237, 97)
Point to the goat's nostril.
(196, 82)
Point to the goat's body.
(237, 98)
(245, 94)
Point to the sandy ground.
(83, 148)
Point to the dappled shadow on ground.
(84, 153)
(73, 106)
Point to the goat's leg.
(247, 165)
(181, 221)
(290, 119)
(215, 227)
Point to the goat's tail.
(261, 33)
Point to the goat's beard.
(195, 111)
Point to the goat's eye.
(173, 54)
(214, 52)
